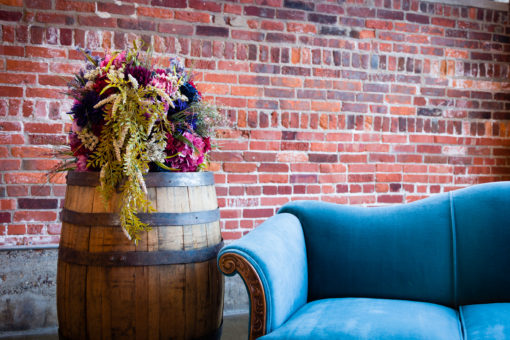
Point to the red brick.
(44, 93)
(11, 91)
(272, 25)
(210, 6)
(193, 16)
(44, 52)
(79, 6)
(443, 22)
(39, 164)
(273, 178)
(54, 228)
(113, 8)
(43, 128)
(239, 167)
(289, 141)
(16, 229)
(31, 215)
(301, 28)
(11, 139)
(379, 24)
(66, 68)
(246, 179)
(7, 204)
(17, 78)
(15, 51)
(169, 3)
(390, 199)
(403, 110)
(25, 178)
(95, 21)
(10, 164)
(52, 80)
(162, 13)
(34, 229)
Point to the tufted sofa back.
(450, 249)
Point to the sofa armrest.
(231, 264)
(272, 262)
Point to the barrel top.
(152, 179)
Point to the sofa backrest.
(451, 248)
(398, 252)
(482, 227)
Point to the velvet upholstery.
(486, 321)
(362, 318)
(399, 252)
(276, 249)
(398, 272)
(482, 219)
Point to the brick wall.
(364, 102)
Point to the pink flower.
(75, 127)
(118, 61)
(81, 163)
(161, 82)
(188, 158)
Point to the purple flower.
(84, 112)
(141, 74)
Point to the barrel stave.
(180, 301)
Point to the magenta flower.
(81, 163)
(187, 158)
(161, 81)
(119, 60)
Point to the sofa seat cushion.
(364, 318)
(486, 321)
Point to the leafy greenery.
(128, 118)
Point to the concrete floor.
(235, 327)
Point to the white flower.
(133, 81)
(88, 139)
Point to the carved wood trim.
(230, 263)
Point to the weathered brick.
(115, 8)
(37, 203)
(280, 38)
(193, 16)
(363, 12)
(262, 12)
(296, 4)
(429, 112)
(421, 19)
(382, 99)
(391, 15)
(137, 24)
(169, 3)
(95, 21)
(175, 28)
(10, 15)
(322, 18)
(332, 30)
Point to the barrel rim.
(152, 179)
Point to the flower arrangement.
(130, 117)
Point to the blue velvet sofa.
(438, 268)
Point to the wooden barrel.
(166, 287)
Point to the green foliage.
(121, 151)
(125, 110)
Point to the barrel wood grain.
(177, 301)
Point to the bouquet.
(130, 117)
